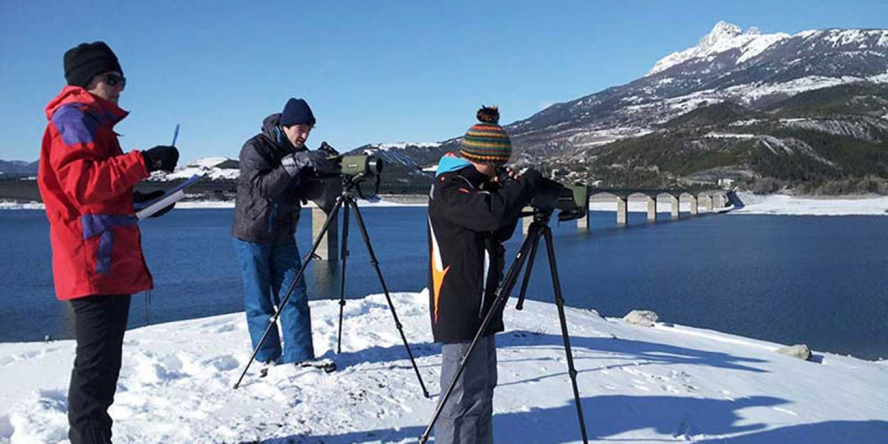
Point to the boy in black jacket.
(471, 214)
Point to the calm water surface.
(790, 279)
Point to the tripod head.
(353, 171)
(352, 184)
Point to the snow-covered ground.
(638, 384)
(779, 204)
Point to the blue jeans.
(268, 271)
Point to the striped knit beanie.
(486, 142)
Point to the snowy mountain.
(746, 82)
(723, 37)
(663, 383)
(212, 168)
(17, 168)
(747, 68)
(809, 141)
(413, 156)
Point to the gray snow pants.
(467, 417)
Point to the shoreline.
(773, 204)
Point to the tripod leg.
(559, 302)
(503, 294)
(344, 254)
(388, 298)
(527, 271)
(272, 322)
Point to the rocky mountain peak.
(722, 32)
(723, 37)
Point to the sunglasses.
(114, 80)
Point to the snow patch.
(206, 166)
(784, 205)
(14, 205)
(404, 145)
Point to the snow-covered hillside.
(210, 167)
(413, 156)
(638, 384)
(748, 68)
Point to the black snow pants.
(99, 325)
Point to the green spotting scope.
(360, 165)
(571, 200)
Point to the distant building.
(726, 183)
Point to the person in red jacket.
(86, 182)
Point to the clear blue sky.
(373, 71)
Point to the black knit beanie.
(86, 60)
(297, 112)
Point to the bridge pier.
(328, 250)
(694, 209)
(583, 223)
(707, 202)
(652, 208)
(526, 221)
(622, 211)
(718, 201)
(676, 202)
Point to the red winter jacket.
(86, 182)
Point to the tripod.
(345, 201)
(538, 228)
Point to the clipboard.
(145, 210)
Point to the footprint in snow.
(224, 363)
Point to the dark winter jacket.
(268, 199)
(469, 219)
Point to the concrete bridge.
(711, 199)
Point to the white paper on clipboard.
(171, 196)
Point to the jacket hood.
(96, 106)
(450, 163)
(271, 128)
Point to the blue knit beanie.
(297, 112)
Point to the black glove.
(162, 158)
(139, 197)
(327, 149)
(533, 178)
(309, 162)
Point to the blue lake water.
(790, 279)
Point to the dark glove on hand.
(162, 158)
(139, 197)
(327, 149)
(147, 197)
(532, 178)
(310, 162)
